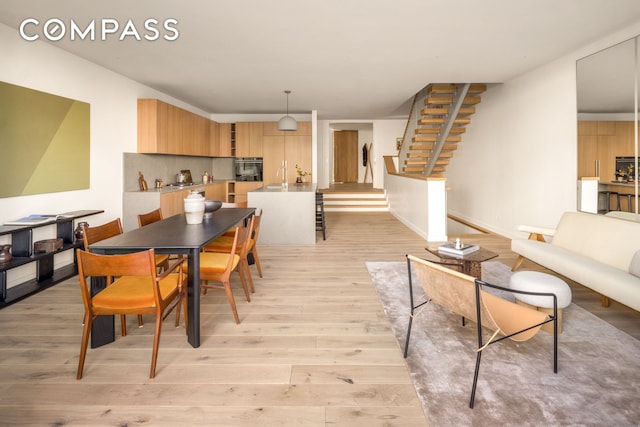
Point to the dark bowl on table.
(210, 206)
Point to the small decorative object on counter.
(141, 182)
(301, 174)
(5, 254)
(194, 207)
(205, 177)
(159, 183)
(79, 232)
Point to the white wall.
(381, 134)
(113, 100)
(517, 163)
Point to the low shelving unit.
(22, 254)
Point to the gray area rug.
(598, 379)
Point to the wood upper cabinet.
(224, 140)
(152, 126)
(249, 139)
(167, 129)
(214, 138)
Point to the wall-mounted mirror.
(607, 117)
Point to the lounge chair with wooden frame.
(466, 296)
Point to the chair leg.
(84, 342)
(140, 322)
(123, 325)
(156, 344)
(475, 380)
(406, 343)
(245, 263)
(232, 301)
(243, 280)
(254, 251)
(517, 264)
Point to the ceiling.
(347, 59)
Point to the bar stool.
(629, 198)
(320, 222)
(608, 194)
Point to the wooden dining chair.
(230, 232)
(93, 234)
(245, 244)
(217, 267)
(162, 260)
(136, 289)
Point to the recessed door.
(345, 156)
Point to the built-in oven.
(248, 168)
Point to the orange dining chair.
(162, 260)
(224, 243)
(136, 289)
(230, 232)
(217, 267)
(93, 234)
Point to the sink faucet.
(283, 169)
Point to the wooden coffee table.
(471, 263)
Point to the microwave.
(248, 168)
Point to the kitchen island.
(288, 213)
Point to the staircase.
(355, 202)
(446, 110)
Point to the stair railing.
(410, 129)
(450, 118)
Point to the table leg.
(474, 269)
(193, 298)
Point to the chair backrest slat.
(100, 232)
(149, 217)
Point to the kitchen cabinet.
(226, 140)
(23, 254)
(169, 200)
(249, 139)
(599, 142)
(166, 129)
(294, 146)
(243, 187)
(231, 192)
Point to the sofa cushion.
(634, 267)
(610, 281)
(607, 240)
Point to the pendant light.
(287, 123)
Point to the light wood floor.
(314, 347)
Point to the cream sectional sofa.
(599, 252)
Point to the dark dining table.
(169, 236)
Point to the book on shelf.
(464, 249)
(32, 220)
(37, 219)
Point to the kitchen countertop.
(622, 183)
(291, 188)
(170, 189)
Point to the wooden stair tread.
(445, 110)
(438, 120)
(438, 100)
(433, 138)
(445, 147)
